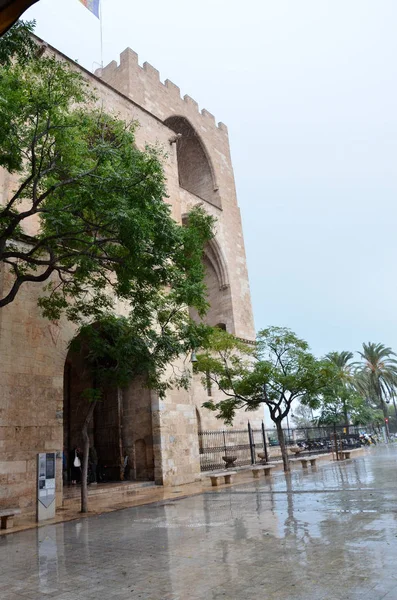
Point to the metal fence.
(217, 446)
(249, 446)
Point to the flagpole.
(101, 28)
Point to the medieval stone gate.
(41, 382)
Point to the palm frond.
(375, 376)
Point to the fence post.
(252, 445)
(264, 442)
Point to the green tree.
(277, 372)
(303, 416)
(119, 349)
(342, 405)
(362, 414)
(18, 44)
(342, 360)
(342, 394)
(98, 200)
(376, 375)
(104, 232)
(340, 402)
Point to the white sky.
(308, 90)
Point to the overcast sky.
(308, 90)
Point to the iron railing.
(246, 444)
(214, 445)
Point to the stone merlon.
(148, 76)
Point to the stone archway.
(195, 170)
(120, 428)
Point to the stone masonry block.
(172, 88)
(12, 466)
(110, 68)
(151, 71)
(208, 115)
(222, 127)
(128, 56)
(191, 102)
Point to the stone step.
(72, 494)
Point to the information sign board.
(45, 485)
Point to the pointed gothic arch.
(214, 255)
(220, 312)
(195, 169)
(121, 428)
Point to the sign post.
(46, 486)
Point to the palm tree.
(342, 361)
(376, 375)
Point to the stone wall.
(137, 431)
(178, 437)
(32, 358)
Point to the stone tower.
(41, 382)
(200, 170)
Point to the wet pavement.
(330, 533)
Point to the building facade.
(41, 407)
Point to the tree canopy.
(376, 375)
(342, 405)
(86, 220)
(18, 43)
(303, 416)
(94, 201)
(277, 371)
(339, 398)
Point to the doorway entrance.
(120, 430)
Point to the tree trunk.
(385, 410)
(86, 450)
(283, 448)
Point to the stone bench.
(346, 454)
(296, 450)
(7, 517)
(256, 471)
(228, 476)
(304, 461)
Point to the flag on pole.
(92, 5)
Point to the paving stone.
(330, 535)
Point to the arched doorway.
(121, 426)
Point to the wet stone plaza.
(330, 533)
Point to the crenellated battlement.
(143, 85)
